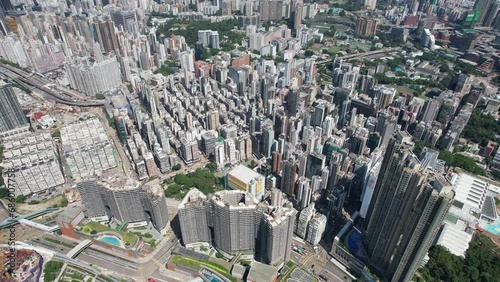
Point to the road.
(123, 267)
(361, 55)
(60, 95)
(318, 263)
(114, 265)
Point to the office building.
(382, 96)
(124, 199)
(336, 200)
(12, 119)
(267, 139)
(487, 11)
(315, 163)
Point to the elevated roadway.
(79, 248)
(31, 81)
(361, 55)
(38, 225)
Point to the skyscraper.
(366, 26)
(264, 92)
(288, 177)
(213, 120)
(126, 20)
(421, 228)
(126, 200)
(371, 4)
(267, 139)
(316, 228)
(271, 10)
(12, 118)
(96, 77)
(297, 15)
(395, 192)
(343, 103)
(193, 216)
(304, 192)
(235, 221)
(104, 33)
(484, 7)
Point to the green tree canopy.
(481, 263)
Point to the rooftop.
(69, 213)
(118, 182)
(455, 238)
(261, 272)
(244, 173)
(235, 199)
(193, 197)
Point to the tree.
(481, 128)
(64, 202)
(192, 7)
(481, 263)
(20, 199)
(461, 161)
(342, 13)
(100, 96)
(51, 270)
(176, 167)
(211, 166)
(130, 88)
(111, 122)
(308, 53)
(4, 193)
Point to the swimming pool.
(111, 240)
(212, 278)
(493, 228)
(352, 241)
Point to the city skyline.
(250, 140)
